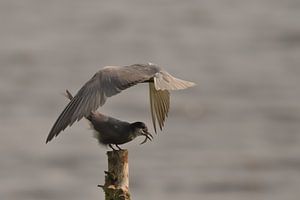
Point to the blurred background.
(234, 136)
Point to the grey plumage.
(110, 81)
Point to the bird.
(110, 81)
(110, 131)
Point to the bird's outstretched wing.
(105, 83)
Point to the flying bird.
(110, 131)
(110, 81)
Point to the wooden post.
(116, 185)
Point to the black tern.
(110, 131)
(110, 81)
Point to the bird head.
(140, 129)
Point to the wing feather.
(151, 88)
(159, 105)
(165, 81)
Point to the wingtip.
(155, 131)
(192, 84)
(51, 135)
(49, 138)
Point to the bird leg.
(110, 145)
(118, 147)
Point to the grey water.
(236, 135)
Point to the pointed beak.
(148, 136)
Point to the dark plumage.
(111, 131)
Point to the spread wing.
(107, 82)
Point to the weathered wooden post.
(116, 185)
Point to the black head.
(139, 125)
(140, 128)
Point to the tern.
(110, 81)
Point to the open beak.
(148, 136)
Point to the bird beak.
(148, 136)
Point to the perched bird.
(110, 131)
(110, 81)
